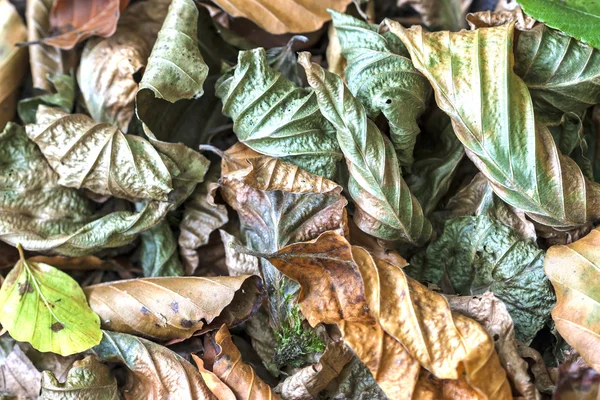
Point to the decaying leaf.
(155, 372)
(287, 16)
(577, 381)
(344, 284)
(355, 382)
(521, 162)
(486, 19)
(44, 306)
(492, 314)
(13, 60)
(440, 14)
(382, 77)
(234, 372)
(573, 271)
(73, 21)
(164, 309)
(18, 375)
(158, 252)
(385, 207)
(238, 263)
(477, 254)
(274, 117)
(216, 386)
(201, 217)
(87, 378)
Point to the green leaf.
(382, 77)
(437, 157)
(63, 98)
(44, 306)
(41, 215)
(274, 117)
(385, 207)
(577, 18)
(562, 74)
(492, 115)
(478, 254)
(87, 379)
(158, 252)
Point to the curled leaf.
(44, 306)
(176, 307)
(213, 382)
(573, 271)
(385, 207)
(521, 162)
(274, 117)
(382, 77)
(155, 372)
(87, 378)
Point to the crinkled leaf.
(274, 117)
(562, 74)
(234, 372)
(158, 252)
(284, 16)
(175, 308)
(13, 60)
(87, 379)
(478, 254)
(155, 372)
(201, 217)
(345, 284)
(437, 157)
(63, 98)
(573, 271)
(492, 115)
(382, 77)
(385, 207)
(44, 306)
(278, 204)
(355, 382)
(577, 18)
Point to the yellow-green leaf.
(44, 306)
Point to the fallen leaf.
(492, 314)
(172, 308)
(263, 339)
(344, 283)
(440, 14)
(35, 309)
(201, 217)
(293, 128)
(234, 372)
(573, 269)
(13, 60)
(158, 252)
(87, 378)
(577, 381)
(430, 388)
(74, 21)
(355, 383)
(88, 263)
(547, 186)
(385, 207)
(64, 97)
(146, 18)
(238, 263)
(18, 375)
(155, 372)
(218, 388)
(287, 16)
(336, 62)
(382, 77)
(486, 19)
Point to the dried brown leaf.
(175, 307)
(18, 375)
(485, 19)
(216, 386)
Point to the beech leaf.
(44, 306)
(274, 117)
(385, 207)
(155, 372)
(171, 308)
(382, 77)
(521, 162)
(87, 378)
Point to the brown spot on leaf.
(186, 323)
(25, 288)
(57, 327)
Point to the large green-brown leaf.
(492, 115)
(382, 77)
(155, 372)
(573, 271)
(164, 309)
(274, 117)
(562, 74)
(385, 206)
(40, 214)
